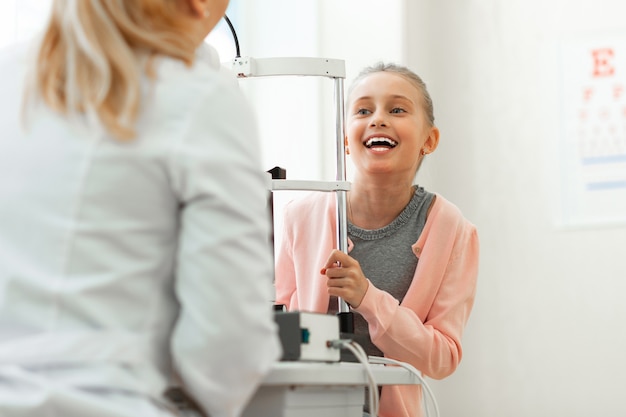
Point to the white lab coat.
(119, 258)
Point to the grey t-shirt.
(386, 257)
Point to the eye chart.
(593, 134)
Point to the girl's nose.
(378, 120)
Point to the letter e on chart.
(603, 62)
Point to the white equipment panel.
(305, 389)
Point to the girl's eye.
(398, 110)
(363, 111)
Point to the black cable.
(232, 30)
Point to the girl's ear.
(432, 141)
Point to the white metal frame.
(248, 67)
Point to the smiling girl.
(412, 266)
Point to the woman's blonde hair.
(90, 59)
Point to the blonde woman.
(133, 223)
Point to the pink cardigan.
(425, 329)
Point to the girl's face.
(386, 126)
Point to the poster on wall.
(593, 132)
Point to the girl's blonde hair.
(90, 58)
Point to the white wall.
(21, 19)
(288, 108)
(546, 337)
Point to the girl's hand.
(345, 278)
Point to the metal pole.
(345, 315)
